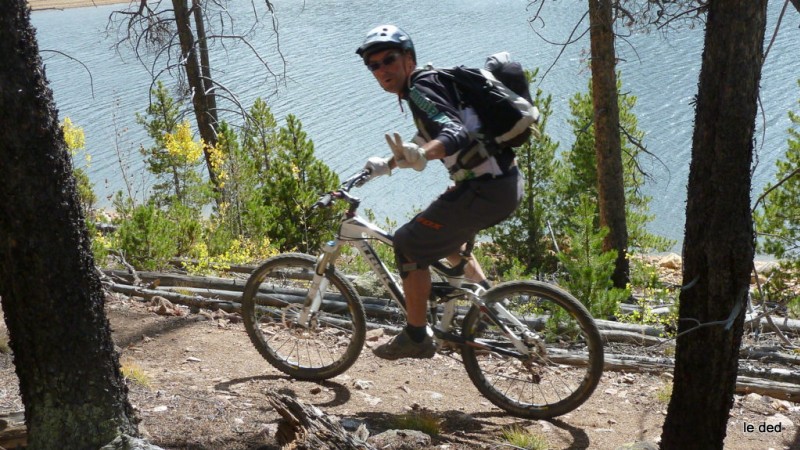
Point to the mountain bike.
(529, 347)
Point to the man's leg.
(472, 270)
(417, 289)
(414, 341)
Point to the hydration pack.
(500, 95)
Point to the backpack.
(500, 95)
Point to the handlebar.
(356, 180)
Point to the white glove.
(378, 166)
(407, 154)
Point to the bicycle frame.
(357, 232)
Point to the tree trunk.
(719, 241)
(206, 118)
(608, 147)
(205, 63)
(52, 298)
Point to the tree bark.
(68, 370)
(608, 147)
(719, 241)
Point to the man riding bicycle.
(481, 197)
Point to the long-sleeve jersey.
(438, 114)
(434, 103)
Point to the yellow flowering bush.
(73, 136)
(181, 146)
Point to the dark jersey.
(435, 105)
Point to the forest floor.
(204, 386)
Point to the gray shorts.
(456, 217)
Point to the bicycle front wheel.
(323, 345)
(561, 360)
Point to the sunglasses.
(386, 61)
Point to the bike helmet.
(386, 37)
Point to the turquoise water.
(346, 114)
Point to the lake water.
(346, 114)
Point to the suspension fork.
(319, 282)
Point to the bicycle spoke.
(330, 339)
(536, 383)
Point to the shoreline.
(39, 5)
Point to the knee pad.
(404, 266)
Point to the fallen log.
(774, 389)
(776, 383)
(13, 432)
(630, 337)
(769, 355)
(161, 279)
(306, 427)
(631, 327)
(188, 300)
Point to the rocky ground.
(204, 386)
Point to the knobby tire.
(272, 300)
(567, 361)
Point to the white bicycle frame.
(356, 231)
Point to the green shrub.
(295, 180)
(150, 237)
(589, 269)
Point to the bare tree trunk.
(206, 118)
(719, 241)
(52, 298)
(205, 62)
(608, 147)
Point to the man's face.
(391, 68)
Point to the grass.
(524, 439)
(664, 393)
(4, 347)
(420, 421)
(134, 373)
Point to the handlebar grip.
(325, 200)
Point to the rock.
(785, 422)
(671, 261)
(369, 285)
(363, 385)
(400, 440)
(781, 405)
(752, 398)
(351, 424)
(374, 335)
(361, 433)
(369, 399)
(163, 307)
(125, 442)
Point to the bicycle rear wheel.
(564, 360)
(330, 340)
